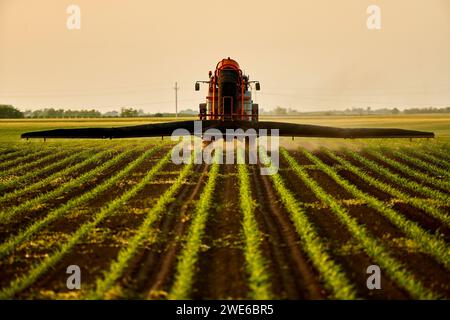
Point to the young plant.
(7, 215)
(12, 242)
(412, 173)
(373, 247)
(430, 243)
(118, 266)
(185, 268)
(400, 180)
(334, 278)
(259, 281)
(26, 280)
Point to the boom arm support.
(285, 129)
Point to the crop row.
(12, 242)
(60, 175)
(185, 269)
(400, 180)
(8, 214)
(24, 167)
(432, 169)
(440, 152)
(256, 265)
(23, 159)
(118, 266)
(332, 275)
(430, 157)
(411, 172)
(430, 243)
(24, 179)
(428, 205)
(373, 247)
(417, 202)
(22, 282)
(13, 154)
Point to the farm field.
(141, 227)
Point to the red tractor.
(229, 94)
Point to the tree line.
(280, 111)
(11, 112)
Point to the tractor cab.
(229, 94)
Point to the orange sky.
(308, 55)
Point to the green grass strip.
(411, 172)
(259, 280)
(118, 266)
(7, 215)
(185, 268)
(57, 175)
(331, 273)
(12, 242)
(374, 248)
(404, 182)
(23, 282)
(430, 244)
(23, 179)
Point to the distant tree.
(9, 112)
(128, 113)
(158, 115)
(111, 114)
(28, 113)
(292, 112)
(188, 112)
(395, 111)
(280, 111)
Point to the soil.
(221, 269)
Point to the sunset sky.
(308, 55)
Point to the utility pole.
(176, 98)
